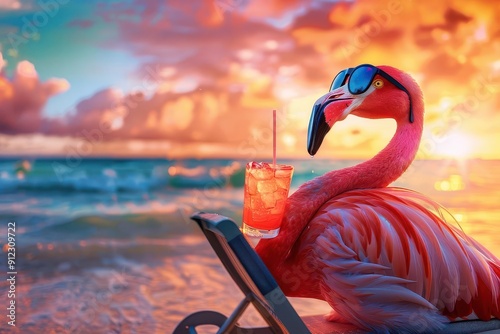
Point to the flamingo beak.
(328, 109)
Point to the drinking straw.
(274, 137)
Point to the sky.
(200, 78)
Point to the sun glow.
(456, 145)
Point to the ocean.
(107, 246)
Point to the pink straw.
(274, 137)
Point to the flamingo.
(386, 259)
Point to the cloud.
(3, 62)
(318, 18)
(10, 4)
(175, 35)
(98, 111)
(202, 116)
(212, 70)
(273, 8)
(23, 97)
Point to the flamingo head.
(365, 91)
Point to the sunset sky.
(201, 78)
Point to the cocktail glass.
(266, 191)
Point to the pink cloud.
(23, 97)
(10, 4)
(3, 62)
(273, 8)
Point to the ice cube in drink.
(266, 191)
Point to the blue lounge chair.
(260, 288)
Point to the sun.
(456, 145)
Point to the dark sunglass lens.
(361, 79)
(339, 80)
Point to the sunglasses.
(361, 77)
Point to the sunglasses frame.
(347, 73)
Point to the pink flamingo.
(385, 259)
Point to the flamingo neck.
(303, 204)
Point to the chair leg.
(188, 324)
(231, 321)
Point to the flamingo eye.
(378, 83)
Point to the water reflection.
(453, 183)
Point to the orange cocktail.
(266, 191)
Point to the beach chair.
(260, 289)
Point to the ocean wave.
(126, 176)
(202, 176)
(121, 176)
